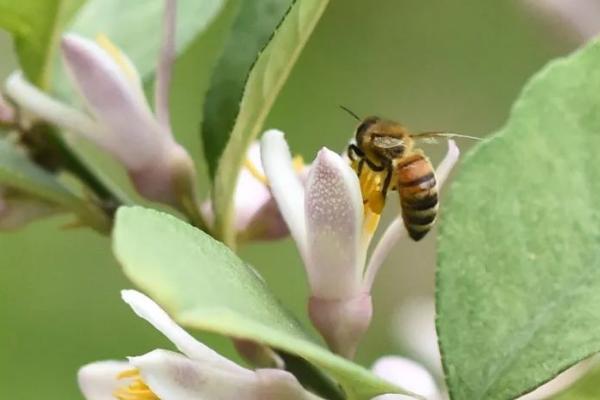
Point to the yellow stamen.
(137, 388)
(117, 56)
(297, 163)
(371, 184)
(255, 172)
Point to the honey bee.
(389, 147)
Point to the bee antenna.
(349, 111)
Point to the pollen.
(297, 163)
(118, 56)
(371, 184)
(137, 388)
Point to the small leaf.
(18, 172)
(266, 78)
(36, 26)
(252, 30)
(204, 285)
(518, 285)
(135, 25)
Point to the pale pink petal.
(334, 219)
(285, 185)
(257, 216)
(580, 16)
(131, 133)
(98, 381)
(414, 329)
(343, 322)
(407, 374)
(147, 309)
(42, 106)
(274, 384)
(256, 213)
(172, 376)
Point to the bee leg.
(354, 150)
(387, 181)
(374, 167)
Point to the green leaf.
(135, 25)
(227, 146)
(36, 26)
(518, 280)
(252, 29)
(586, 388)
(18, 172)
(204, 285)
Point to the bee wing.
(430, 137)
(386, 141)
(428, 140)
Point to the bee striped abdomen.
(417, 186)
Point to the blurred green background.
(453, 65)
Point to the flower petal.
(580, 16)
(285, 185)
(98, 381)
(172, 376)
(147, 309)
(132, 134)
(414, 329)
(45, 107)
(274, 384)
(407, 374)
(334, 213)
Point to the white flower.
(415, 328)
(197, 372)
(257, 216)
(119, 119)
(332, 230)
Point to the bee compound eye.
(364, 126)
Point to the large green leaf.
(18, 172)
(518, 281)
(135, 25)
(36, 26)
(227, 147)
(204, 285)
(251, 31)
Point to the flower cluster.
(332, 229)
(331, 212)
